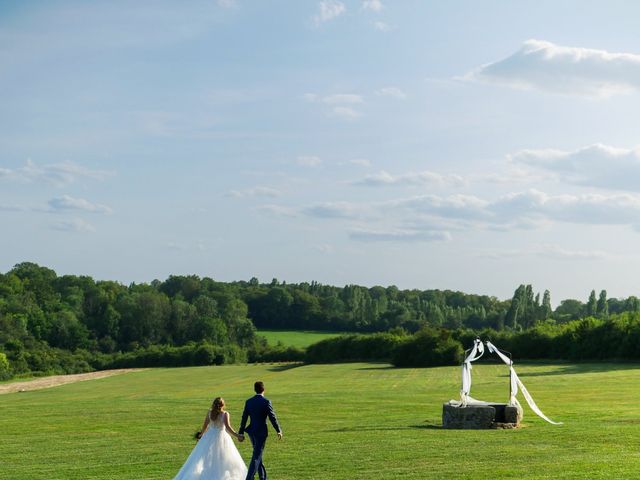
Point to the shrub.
(5, 368)
(372, 347)
(428, 348)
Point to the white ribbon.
(475, 354)
(516, 382)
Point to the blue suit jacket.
(258, 408)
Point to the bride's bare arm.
(205, 425)
(227, 425)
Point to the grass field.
(350, 421)
(300, 339)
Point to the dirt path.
(54, 381)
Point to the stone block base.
(476, 417)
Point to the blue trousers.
(256, 465)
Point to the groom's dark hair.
(258, 387)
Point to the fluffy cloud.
(67, 203)
(553, 252)
(328, 10)
(433, 217)
(570, 70)
(308, 160)
(596, 165)
(340, 104)
(323, 248)
(420, 178)
(279, 210)
(255, 192)
(346, 113)
(75, 225)
(372, 5)
(393, 92)
(57, 174)
(361, 162)
(399, 235)
(529, 208)
(333, 210)
(342, 98)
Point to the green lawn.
(300, 339)
(350, 421)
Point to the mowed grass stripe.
(348, 421)
(297, 338)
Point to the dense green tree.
(592, 304)
(602, 306)
(546, 310)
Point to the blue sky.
(469, 145)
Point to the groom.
(258, 408)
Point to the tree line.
(614, 338)
(70, 323)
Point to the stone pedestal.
(476, 417)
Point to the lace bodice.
(218, 422)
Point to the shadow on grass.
(427, 425)
(576, 368)
(382, 366)
(285, 366)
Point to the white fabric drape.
(475, 354)
(516, 382)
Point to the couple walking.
(215, 457)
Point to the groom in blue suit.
(258, 408)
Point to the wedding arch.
(515, 384)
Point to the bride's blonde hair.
(217, 407)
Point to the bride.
(215, 456)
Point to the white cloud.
(199, 246)
(394, 92)
(323, 248)
(227, 3)
(420, 178)
(433, 217)
(75, 225)
(552, 252)
(308, 160)
(57, 174)
(256, 192)
(346, 113)
(68, 203)
(343, 98)
(511, 176)
(333, 210)
(361, 162)
(381, 26)
(529, 208)
(569, 70)
(279, 210)
(341, 104)
(399, 236)
(372, 5)
(518, 210)
(12, 208)
(328, 10)
(176, 246)
(595, 165)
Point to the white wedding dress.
(215, 456)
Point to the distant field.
(300, 339)
(341, 422)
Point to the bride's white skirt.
(215, 457)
